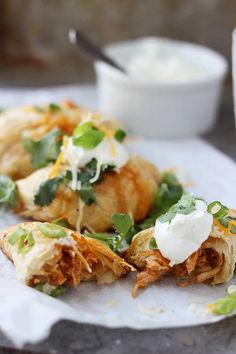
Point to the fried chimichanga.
(131, 190)
(188, 243)
(34, 123)
(48, 256)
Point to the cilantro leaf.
(87, 193)
(47, 191)
(8, 192)
(122, 223)
(169, 192)
(124, 228)
(87, 136)
(106, 238)
(185, 205)
(120, 135)
(45, 150)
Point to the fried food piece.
(131, 190)
(52, 256)
(15, 160)
(213, 263)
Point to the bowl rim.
(116, 76)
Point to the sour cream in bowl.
(171, 89)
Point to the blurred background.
(34, 49)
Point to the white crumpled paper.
(27, 315)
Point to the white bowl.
(162, 109)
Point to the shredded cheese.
(81, 205)
(225, 230)
(58, 162)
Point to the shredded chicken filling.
(65, 268)
(201, 267)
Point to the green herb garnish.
(52, 230)
(185, 206)
(106, 238)
(225, 306)
(62, 223)
(84, 176)
(153, 244)
(221, 213)
(169, 192)
(56, 292)
(122, 223)
(23, 238)
(123, 226)
(8, 192)
(120, 135)
(87, 136)
(53, 107)
(87, 193)
(45, 150)
(47, 191)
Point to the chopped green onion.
(54, 107)
(14, 236)
(120, 135)
(218, 210)
(23, 238)
(87, 136)
(52, 230)
(58, 291)
(226, 305)
(153, 244)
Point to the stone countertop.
(69, 338)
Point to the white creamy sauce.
(184, 234)
(78, 157)
(162, 61)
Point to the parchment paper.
(27, 315)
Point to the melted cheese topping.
(184, 234)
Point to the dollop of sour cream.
(184, 234)
(109, 152)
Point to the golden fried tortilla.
(15, 161)
(53, 256)
(213, 263)
(131, 190)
